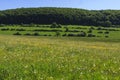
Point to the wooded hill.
(61, 16)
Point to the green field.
(59, 58)
(45, 30)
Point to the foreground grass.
(47, 58)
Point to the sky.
(84, 4)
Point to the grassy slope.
(51, 58)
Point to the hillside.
(60, 15)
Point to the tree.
(54, 25)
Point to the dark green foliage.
(90, 31)
(36, 34)
(17, 33)
(82, 34)
(106, 36)
(4, 29)
(35, 16)
(100, 32)
(66, 29)
(64, 35)
(91, 35)
(27, 34)
(57, 33)
(71, 34)
(99, 28)
(106, 32)
(55, 25)
(21, 29)
(59, 26)
(45, 30)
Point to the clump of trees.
(35, 16)
(55, 25)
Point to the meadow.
(63, 31)
(59, 58)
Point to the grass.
(58, 58)
(31, 30)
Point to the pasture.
(63, 31)
(41, 57)
(53, 58)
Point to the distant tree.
(57, 33)
(59, 26)
(66, 29)
(17, 33)
(54, 25)
(90, 31)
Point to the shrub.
(92, 28)
(91, 35)
(59, 26)
(99, 28)
(90, 31)
(20, 29)
(17, 33)
(36, 34)
(64, 35)
(106, 36)
(106, 32)
(49, 35)
(100, 32)
(82, 34)
(71, 34)
(4, 29)
(66, 29)
(57, 33)
(55, 25)
(28, 34)
(45, 35)
(12, 29)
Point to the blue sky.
(84, 4)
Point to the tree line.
(66, 16)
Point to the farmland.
(48, 56)
(62, 31)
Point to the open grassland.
(58, 58)
(64, 31)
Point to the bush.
(12, 29)
(49, 35)
(17, 33)
(59, 26)
(36, 34)
(106, 32)
(106, 36)
(55, 25)
(45, 35)
(57, 33)
(91, 35)
(4, 29)
(66, 29)
(90, 31)
(64, 35)
(82, 34)
(99, 28)
(71, 34)
(92, 28)
(28, 34)
(20, 29)
(100, 32)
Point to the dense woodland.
(61, 15)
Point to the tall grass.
(44, 58)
